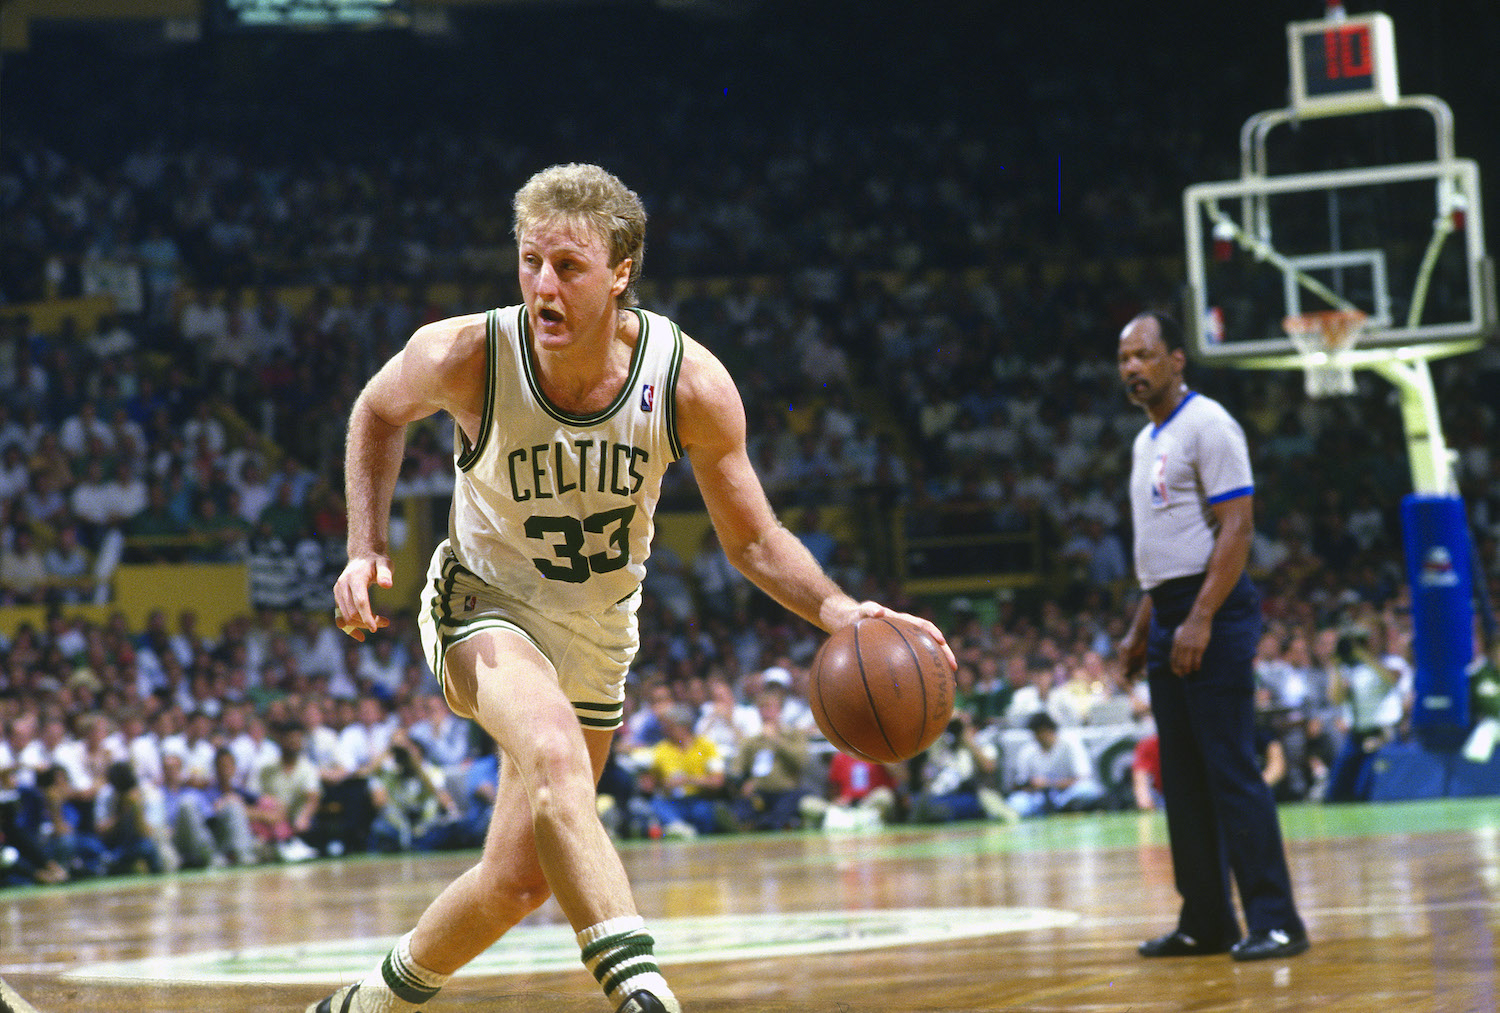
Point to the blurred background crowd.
(917, 283)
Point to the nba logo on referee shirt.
(1159, 480)
(648, 396)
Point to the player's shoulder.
(708, 405)
(451, 339)
(665, 328)
(462, 328)
(701, 374)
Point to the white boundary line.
(11, 1001)
(552, 948)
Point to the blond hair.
(590, 196)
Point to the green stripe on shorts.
(599, 715)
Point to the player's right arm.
(442, 368)
(711, 423)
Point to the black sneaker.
(1179, 944)
(641, 1001)
(1270, 945)
(344, 997)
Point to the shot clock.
(1342, 64)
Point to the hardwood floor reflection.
(1401, 902)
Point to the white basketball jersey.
(555, 508)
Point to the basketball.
(881, 689)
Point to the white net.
(1321, 338)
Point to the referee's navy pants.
(1221, 818)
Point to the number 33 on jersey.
(557, 508)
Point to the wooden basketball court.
(1402, 901)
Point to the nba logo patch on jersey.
(648, 396)
(471, 602)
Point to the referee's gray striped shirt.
(1179, 470)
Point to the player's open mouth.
(550, 316)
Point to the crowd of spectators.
(278, 739)
(916, 331)
(948, 325)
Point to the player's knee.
(561, 775)
(526, 893)
(516, 892)
(562, 799)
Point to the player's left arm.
(711, 427)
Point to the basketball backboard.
(1400, 240)
(1403, 244)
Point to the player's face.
(567, 282)
(1151, 374)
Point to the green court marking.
(1312, 821)
(1307, 821)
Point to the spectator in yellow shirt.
(682, 776)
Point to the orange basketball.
(881, 689)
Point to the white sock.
(399, 985)
(619, 953)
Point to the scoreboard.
(307, 15)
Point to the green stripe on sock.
(405, 989)
(623, 955)
(628, 972)
(598, 946)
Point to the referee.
(1191, 498)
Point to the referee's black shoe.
(1270, 945)
(1179, 944)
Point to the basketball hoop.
(1322, 337)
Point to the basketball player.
(1195, 634)
(568, 410)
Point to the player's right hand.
(353, 612)
(875, 610)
